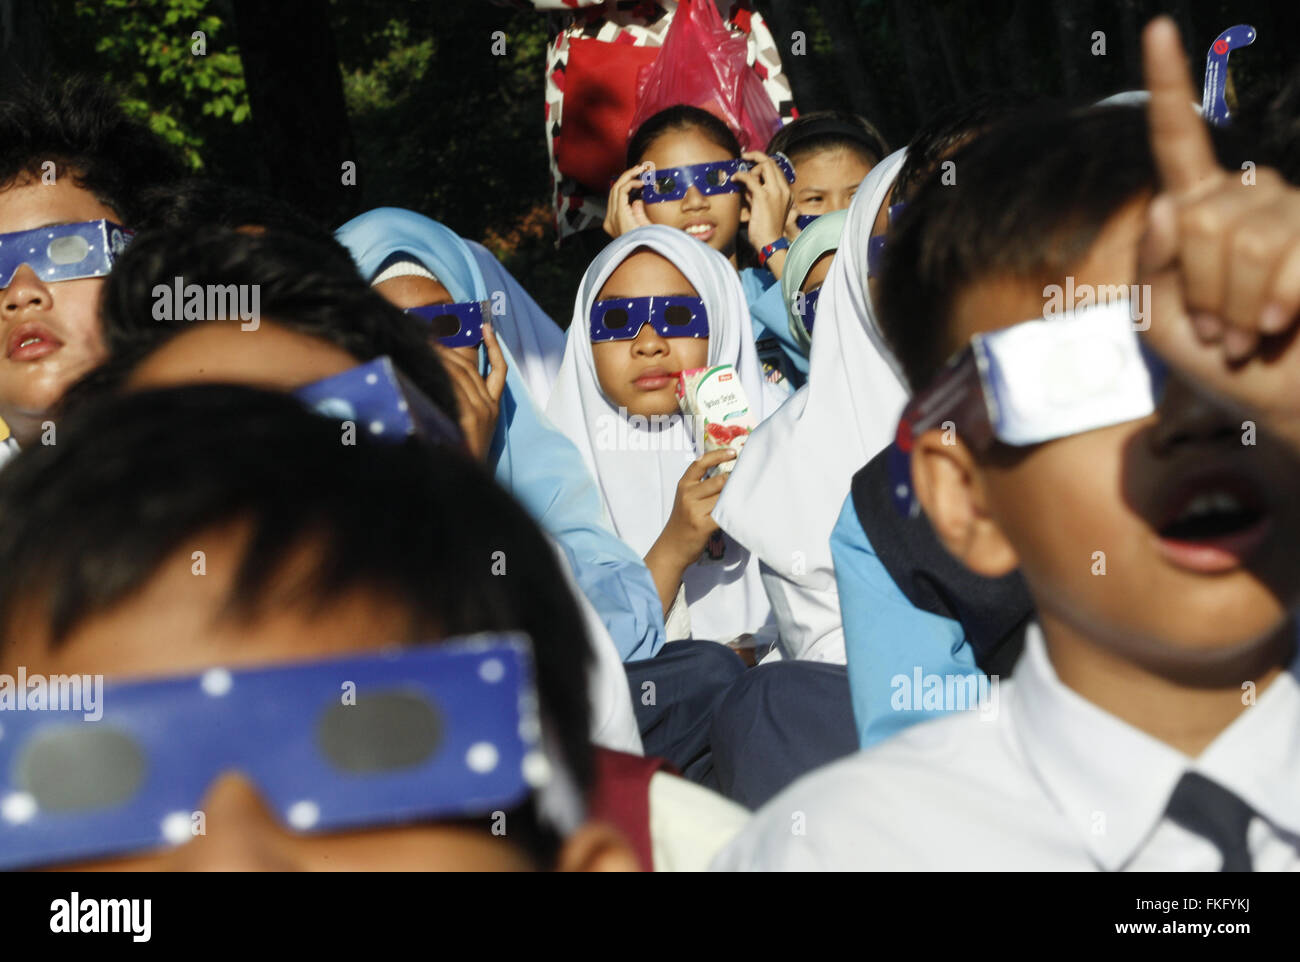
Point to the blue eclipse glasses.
(672, 183)
(809, 312)
(431, 732)
(63, 252)
(621, 318)
(455, 325)
(382, 402)
(876, 245)
(1033, 382)
(803, 220)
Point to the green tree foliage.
(147, 48)
(450, 127)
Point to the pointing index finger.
(1180, 142)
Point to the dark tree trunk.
(912, 40)
(1131, 44)
(296, 94)
(23, 53)
(783, 17)
(1014, 52)
(1066, 15)
(850, 58)
(956, 83)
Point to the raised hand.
(1221, 256)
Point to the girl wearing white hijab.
(787, 490)
(638, 462)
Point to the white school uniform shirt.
(1049, 782)
(789, 485)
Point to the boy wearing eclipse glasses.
(71, 169)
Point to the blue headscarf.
(530, 458)
(470, 273)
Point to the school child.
(785, 718)
(69, 159)
(801, 282)
(909, 605)
(315, 321)
(830, 429)
(417, 263)
(825, 432)
(686, 143)
(832, 151)
(594, 59)
(228, 694)
(616, 400)
(1150, 724)
(379, 237)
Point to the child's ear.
(948, 485)
(597, 847)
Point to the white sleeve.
(689, 824)
(613, 722)
(677, 623)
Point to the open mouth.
(1213, 514)
(700, 231)
(31, 343)
(1214, 526)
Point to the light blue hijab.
(470, 273)
(531, 459)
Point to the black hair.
(304, 285)
(197, 203)
(86, 522)
(947, 130)
(825, 130)
(1030, 198)
(79, 124)
(1274, 118)
(680, 117)
(685, 117)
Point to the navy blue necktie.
(1216, 814)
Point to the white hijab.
(790, 483)
(637, 467)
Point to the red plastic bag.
(702, 64)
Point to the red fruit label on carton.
(716, 409)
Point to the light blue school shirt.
(885, 635)
(768, 315)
